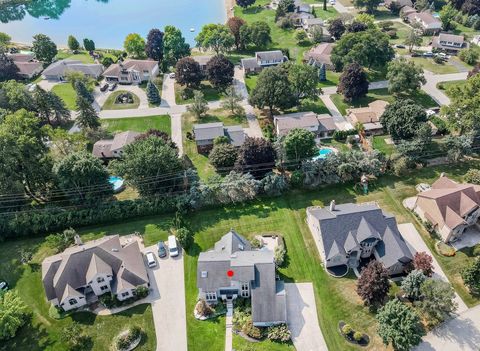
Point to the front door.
(229, 293)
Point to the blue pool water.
(117, 183)
(322, 154)
(106, 22)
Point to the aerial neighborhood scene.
(239, 175)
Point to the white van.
(150, 259)
(172, 246)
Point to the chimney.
(332, 205)
(442, 175)
(78, 240)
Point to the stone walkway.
(229, 328)
(339, 120)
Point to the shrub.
(471, 276)
(357, 336)
(220, 140)
(279, 333)
(296, 179)
(251, 330)
(203, 308)
(438, 60)
(400, 166)
(141, 292)
(469, 56)
(440, 124)
(279, 255)
(240, 317)
(347, 329)
(341, 135)
(108, 300)
(124, 341)
(184, 237)
(473, 176)
(256, 243)
(444, 249)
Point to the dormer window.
(100, 280)
(204, 274)
(72, 302)
(241, 247)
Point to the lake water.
(106, 22)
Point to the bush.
(438, 60)
(444, 249)
(400, 166)
(184, 237)
(108, 300)
(341, 135)
(141, 292)
(469, 56)
(279, 333)
(279, 255)
(440, 124)
(256, 244)
(392, 34)
(124, 341)
(203, 308)
(357, 336)
(252, 331)
(347, 329)
(473, 176)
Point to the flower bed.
(444, 249)
(204, 311)
(128, 339)
(352, 336)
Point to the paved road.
(433, 79)
(176, 120)
(168, 305)
(458, 334)
(302, 318)
(413, 238)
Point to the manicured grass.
(430, 65)
(81, 56)
(67, 93)
(138, 124)
(310, 105)
(251, 82)
(380, 94)
(447, 86)
(332, 79)
(240, 344)
(209, 93)
(44, 332)
(111, 105)
(380, 144)
(343, 147)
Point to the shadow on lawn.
(29, 338)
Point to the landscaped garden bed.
(121, 100)
(128, 339)
(204, 311)
(444, 249)
(352, 336)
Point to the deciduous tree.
(73, 43)
(89, 44)
(257, 34)
(5, 39)
(424, 262)
(235, 24)
(220, 71)
(255, 156)
(373, 284)
(154, 46)
(13, 314)
(8, 69)
(404, 77)
(14, 96)
(134, 45)
(447, 16)
(471, 276)
(353, 82)
(437, 302)
(216, 37)
(402, 119)
(414, 36)
(369, 5)
(188, 72)
(299, 144)
(245, 3)
(303, 81)
(336, 28)
(232, 101)
(223, 157)
(44, 48)
(174, 46)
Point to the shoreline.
(229, 8)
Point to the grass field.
(209, 93)
(138, 124)
(80, 56)
(67, 93)
(111, 105)
(380, 144)
(430, 65)
(447, 86)
(420, 97)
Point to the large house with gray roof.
(261, 60)
(232, 269)
(131, 71)
(113, 148)
(323, 125)
(58, 70)
(206, 133)
(349, 235)
(77, 276)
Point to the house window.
(104, 287)
(210, 296)
(100, 280)
(204, 274)
(245, 291)
(72, 302)
(124, 294)
(240, 247)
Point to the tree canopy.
(403, 118)
(188, 72)
(8, 69)
(299, 144)
(256, 156)
(13, 314)
(220, 71)
(44, 48)
(353, 82)
(73, 43)
(245, 3)
(437, 302)
(369, 5)
(154, 46)
(235, 24)
(216, 37)
(373, 284)
(303, 81)
(404, 77)
(174, 46)
(223, 156)
(134, 45)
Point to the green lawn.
(67, 93)
(310, 105)
(380, 144)
(240, 344)
(447, 86)
(81, 56)
(380, 94)
(209, 93)
(111, 105)
(332, 79)
(138, 124)
(430, 65)
(251, 82)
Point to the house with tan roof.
(113, 148)
(429, 23)
(319, 55)
(449, 207)
(77, 276)
(323, 125)
(131, 71)
(369, 116)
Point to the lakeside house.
(206, 133)
(451, 208)
(113, 148)
(430, 24)
(319, 55)
(28, 66)
(80, 274)
(350, 235)
(261, 60)
(323, 125)
(369, 116)
(449, 42)
(232, 269)
(202, 61)
(58, 70)
(131, 71)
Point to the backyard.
(67, 93)
(138, 124)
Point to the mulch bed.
(364, 341)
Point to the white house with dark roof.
(113, 148)
(206, 133)
(80, 274)
(349, 234)
(131, 71)
(261, 60)
(232, 269)
(449, 42)
(429, 23)
(323, 126)
(58, 70)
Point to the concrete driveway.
(302, 318)
(168, 302)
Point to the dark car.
(400, 46)
(113, 87)
(415, 54)
(3, 286)
(162, 249)
(104, 87)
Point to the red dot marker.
(230, 273)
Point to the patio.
(469, 238)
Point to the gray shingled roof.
(208, 131)
(275, 55)
(249, 63)
(59, 68)
(235, 134)
(350, 223)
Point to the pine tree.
(322, 74)
(86, 115)
(152, 94)
(83, 92)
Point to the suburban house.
(113, 148)
(233, 269)
(77, 276)
(406, 11)
(323, 126)
(59, 69)
(263, 59)
(319, 55)
(27, 66)
(131, 71)
(350, 235)
(369, 116)
(310, 23)
(449, 42)
(202, 61)
(429, 23)
(397, 4)
(449, 207)
(206, 133)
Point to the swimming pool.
(117, 183)
(322, 153)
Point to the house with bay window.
(232, 269)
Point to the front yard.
(112, 104)
(209, 93)
(442, 68)
(447, 86)
(67, 93)
(138, 124)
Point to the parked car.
(444, 55)
(151, 262)
(172, 246)
(162, 249)
(415, 54)
(428, 54)
(3, 286)
(171, 75)
(332, 2)
(113, 87)
(400, 46)
(104, 87)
